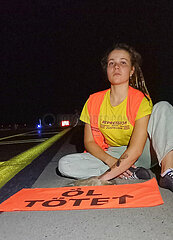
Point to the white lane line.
(23, 141)
(42, 133)
(16, 135)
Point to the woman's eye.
(110, 64)
(123, 62)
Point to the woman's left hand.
(127, 174)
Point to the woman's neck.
(118, 93)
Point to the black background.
(50, 51)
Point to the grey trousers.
(158, 144)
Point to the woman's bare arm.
(133, 152)
(92, 147)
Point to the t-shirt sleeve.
(145, 108)
(84, 117)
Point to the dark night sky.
(50, 51)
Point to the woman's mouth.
(116, 74)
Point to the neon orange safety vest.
(95, 100)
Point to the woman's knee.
(162, 106)
(63, 163)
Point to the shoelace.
(133, 176)
(171, 174)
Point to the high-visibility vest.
(95, 100)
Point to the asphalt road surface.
(149, 223)
(17, 142)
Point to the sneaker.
(139, 173)
(167, 181)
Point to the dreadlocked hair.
(137, 80)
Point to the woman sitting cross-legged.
(120, 125)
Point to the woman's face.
(119, 68)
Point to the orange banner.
(93, 197)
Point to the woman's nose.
(116, 65)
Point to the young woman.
(120, 126)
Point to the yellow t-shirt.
(113, 121)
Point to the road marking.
(23, 141)
(8, 169)
(16, 135)
(41, 133)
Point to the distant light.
(38, 126)
(39, 132)
(65, 123)
(50, 124)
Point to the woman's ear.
(132, 71)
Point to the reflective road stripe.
(16, 135)
(23, 141)
(8, 169)
(42, 133)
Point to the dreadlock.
(137, 80)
